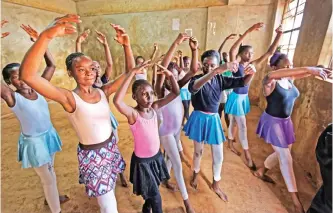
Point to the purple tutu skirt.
(276, 131)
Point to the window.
(292, 20)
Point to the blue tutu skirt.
(203, 127)
(185, 94)
(114, 122)
(35, 151)
(237, 104)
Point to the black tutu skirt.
(146, 174)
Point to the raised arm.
(198, 83)
(50, 63)
(271, 50)
(80, 39)
(109, 64)
(234, 49)
(123, 39)
(193, 42)
(166, 61)
(295, 73)
(3, 35)
(29, 67)
(181, 60)
(118, 99)
(7, 94)
(152, 57)
(174, 89)
(229, 37)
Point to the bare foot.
(260, 173)
(170, 186)
(194, 180)
(219, 192)
(123, 180)
(188, 206)
(62, 199)
(252, 165)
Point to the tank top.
(240, 73)
(171, 116)
(91, 121)
(34, 115)
(280, 102)
(146, 138)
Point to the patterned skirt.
(99, 165)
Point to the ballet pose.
(148, 168)
(87, 108)
(275, 124)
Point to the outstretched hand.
(5, 34)
(121, 36)
(62, 26)
(83, 36)
(257, 26)
(181, 38)
(322, 73)
(179, 53)
(232, 36)
(279, 30)
(101, 38)
(155, 46)
(163, 71)
(140, 69)
(250, 70)
(31, 32)
(193, 42)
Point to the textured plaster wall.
(58, 6)
(14, 47)
(104, 7)
(144, 29)
(224, 20)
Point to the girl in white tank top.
(99, 158)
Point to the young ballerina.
(238, 103)
(204, 124)
(275, 125)
(171, 114)
(184, 93)
(225, 93)
(148, 168)
(37, 131)
(100, 81)
(88, 110)
(140, 59)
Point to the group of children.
(217, 83)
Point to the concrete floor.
(22, 192)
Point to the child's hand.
(101, 38)
(140, 69)
(180, 53)
(155, 46)
(163, 71)
(232, 66)
(181, 38)
(279, 30)
(232, 36)
(3, 35)
(62, 26)
(83, 36)
(257, 26)
(31, 32)
(121, 36)
(193, 43)
(250, 70)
